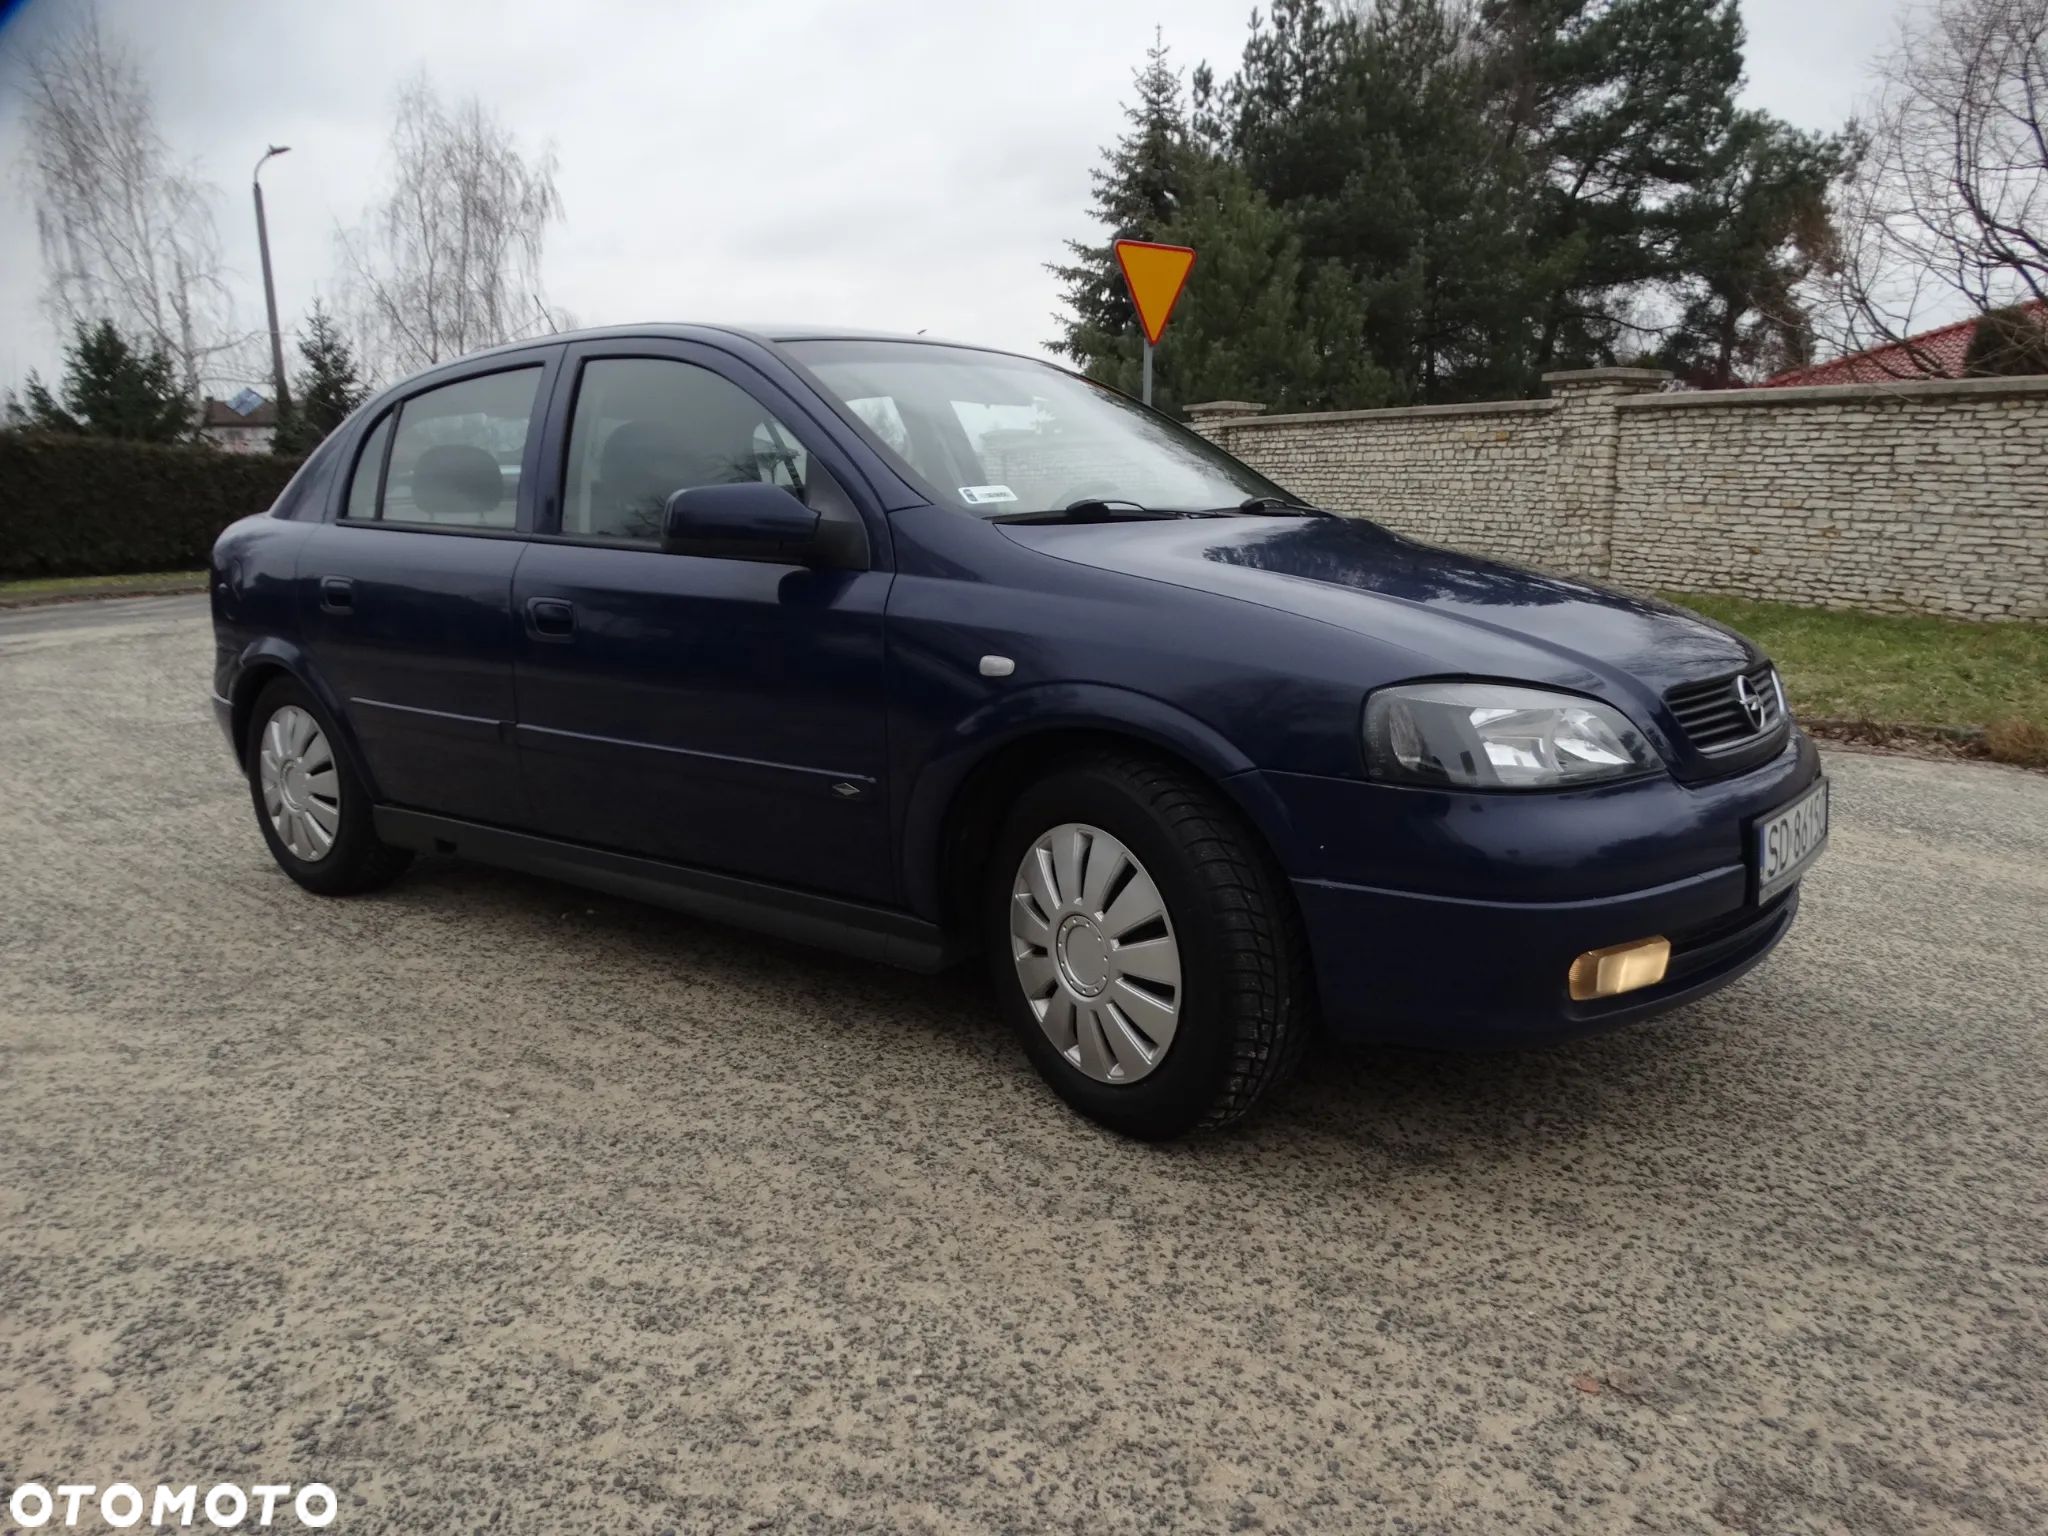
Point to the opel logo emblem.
(1751, 701)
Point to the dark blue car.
(917, 650)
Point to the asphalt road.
(495, 1205)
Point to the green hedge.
(94, 506)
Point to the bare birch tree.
(1949, 205)
(449, 260)
(127, 235)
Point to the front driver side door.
(722, 713)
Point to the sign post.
(1155, 275)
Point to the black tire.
(357, 861)
(1246, 997)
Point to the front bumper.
(1458, 916)
(1470, 975)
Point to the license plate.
(1790, 840)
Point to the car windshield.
(997, 435)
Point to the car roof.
(766, 334)
(767, 338)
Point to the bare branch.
(1948, 208)
(126, 235)
(449, 260)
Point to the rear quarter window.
(304, 496)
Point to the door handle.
(337, 594)
(550, 618)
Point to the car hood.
(1455, 613)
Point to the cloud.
(895, 164)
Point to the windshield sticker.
(986, 495)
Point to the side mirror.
(748, 521)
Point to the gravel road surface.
(493, 1204)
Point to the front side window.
(645, 428)
(993, 434)
(455, 456)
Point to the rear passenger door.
(406, 596)
(722, 713)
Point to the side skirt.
(849, 927)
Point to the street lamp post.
(269, 289)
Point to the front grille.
(1712, 716)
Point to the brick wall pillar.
(1212, 418)
(1588, 435)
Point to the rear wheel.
(1145, 948)
(312, 809)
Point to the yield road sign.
(1155, 274)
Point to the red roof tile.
(1936, 354)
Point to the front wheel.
(312, 809)
(1145, 948)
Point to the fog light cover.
(1619, 968)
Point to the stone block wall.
(1473, 476)
(1920, 498)
(1927, 497)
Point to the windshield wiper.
(1279, 506)
(1097, 509)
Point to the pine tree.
(1139, 189)
(1614, 108)
(1459, 195)
(1256, 321)
(1296, 111)
(1367, 127)
(1449, 311)
(1748, 236)
(327, 389)
(111, 389)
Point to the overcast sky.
(900, 164)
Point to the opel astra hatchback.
(921, 651)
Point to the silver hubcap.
(1095, 953)
(301, 790)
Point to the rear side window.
(455, 455)
(645, 428)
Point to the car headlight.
(1494, 736)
